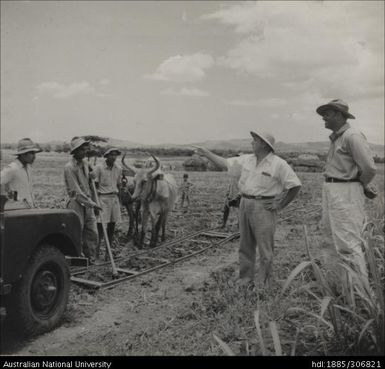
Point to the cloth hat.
(76, 142)
(338, 105)
(27, 145)
(265, 136)
(112, 149)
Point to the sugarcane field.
(195, 307)
(185, 181)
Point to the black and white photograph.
(192, 179)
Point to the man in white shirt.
(16, 177)
(267, 184)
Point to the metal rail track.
(126, 274)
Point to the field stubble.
(220, 317)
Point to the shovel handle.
(114, 270)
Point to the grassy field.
(305, 319)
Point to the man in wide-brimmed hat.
(16, 177)
(77, 179)
(108, 177)
(267, 184)
(348, 172)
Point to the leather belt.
(257, 197)
(338, 180)
(108, 193)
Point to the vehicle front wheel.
(40, 297)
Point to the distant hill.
(233, 144)
(308, 147)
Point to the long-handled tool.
(114, 270)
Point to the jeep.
(37, 248)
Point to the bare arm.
(216, 159)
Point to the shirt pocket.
(265, 179)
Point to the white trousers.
(343, 217)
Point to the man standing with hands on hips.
(348, 172)
(267, 184)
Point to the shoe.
(98, 262)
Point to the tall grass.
(355, 316)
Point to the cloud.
(61, 91)
(194, 92)
(243, 17)
(336, 48)
(269, 103)
(186, 68)
(104, 81)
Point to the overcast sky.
(188, 71)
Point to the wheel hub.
(44, 290)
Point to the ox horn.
(129, 167)
(157, 165)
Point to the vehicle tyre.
(40, 297)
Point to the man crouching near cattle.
(77, 179)
(267, 184)
(108, 176)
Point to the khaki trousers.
(257, 227)
(88, 222)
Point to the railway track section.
(146, 261)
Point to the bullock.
(157, 193)
(132, 207)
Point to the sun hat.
(76, 142)
(338, 105)
(112, 149)
(27, 145)
(265, 136)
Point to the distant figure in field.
(185, 190)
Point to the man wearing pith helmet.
(267, 184)
(348, 172)
(16, 177)
(108, 177)
(77, 179)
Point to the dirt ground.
(107, 320)
(134, 317)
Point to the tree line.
(98, 150)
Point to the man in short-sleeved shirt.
(108, 177)
(16, 180)
(267, 184)
(348, 172)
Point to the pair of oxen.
(151, 196)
